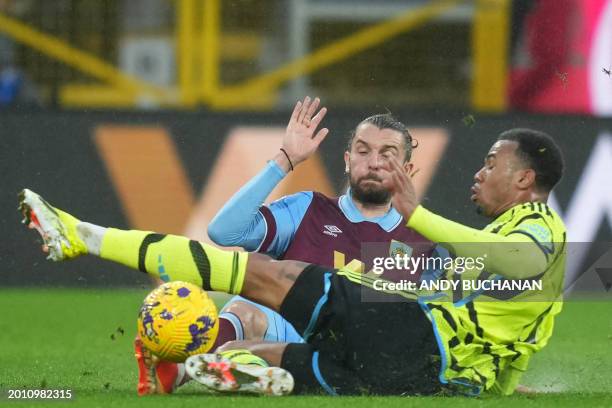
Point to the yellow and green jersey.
(486, 337)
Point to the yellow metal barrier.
(83, 61)
(490, 54)
(234, 96)
(186, 51)
(199, 57)
(210, 49)
(96, 96)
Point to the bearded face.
(368, 189)
(370, 152)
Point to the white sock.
(92, 235)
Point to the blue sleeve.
(283, 218)
(433, 274)
(239, 222)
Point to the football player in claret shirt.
(309, 226)
(406, 346)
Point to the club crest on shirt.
(399, 248)
(331, 230)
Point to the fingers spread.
(398, 181)
(318, 138)
(296, 112)
(318, 117)
(387, 180)
(394, 175)
(312, 109)
(304, 109)
(395, 164)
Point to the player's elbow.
(219, 233)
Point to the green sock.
(172, 258)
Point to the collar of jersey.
(388, 222)
(505, 216)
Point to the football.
(177, 320)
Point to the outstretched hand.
(403, 195)
(300, 140)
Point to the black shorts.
(356, 347)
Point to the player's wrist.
(283, 160)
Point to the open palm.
(300, 140)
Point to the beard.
(369, 195)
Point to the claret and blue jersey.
(314, 228)
(306, 226)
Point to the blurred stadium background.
(149, 114)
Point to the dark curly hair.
(539, 152)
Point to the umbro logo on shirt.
(332, 230)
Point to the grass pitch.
(82, 340)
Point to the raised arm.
(240, 221)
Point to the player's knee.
(254, 321)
